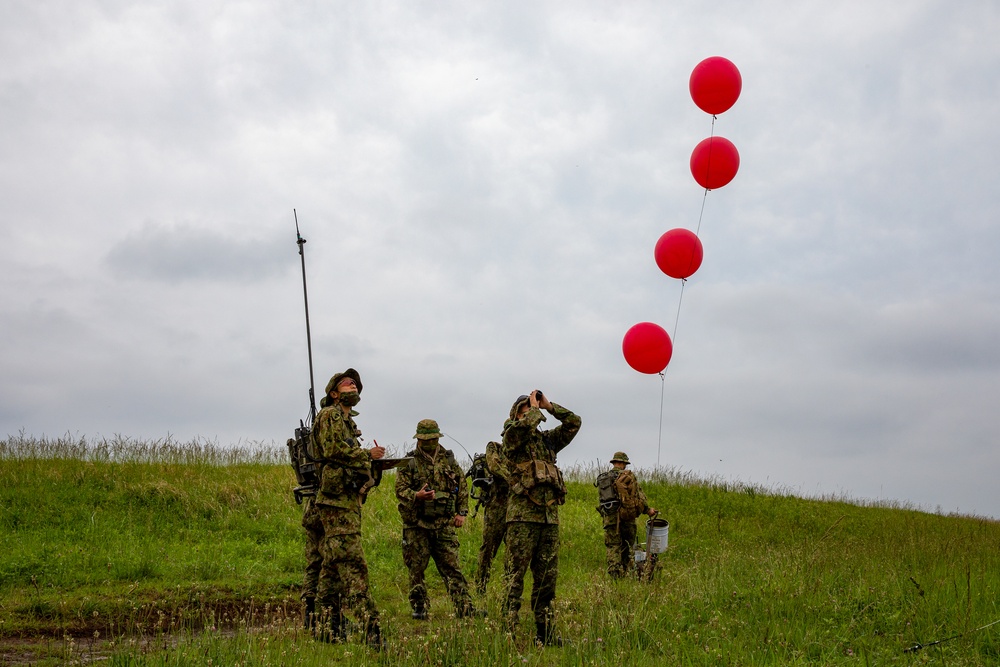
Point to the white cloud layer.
(481, 187)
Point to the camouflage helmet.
(427, 429)
(335, 380)
(620, 457)
(523, 398)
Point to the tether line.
(680, 299)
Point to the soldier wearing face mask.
(433, 502)
(333, 521)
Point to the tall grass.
(189, 554)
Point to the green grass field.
(160, 553)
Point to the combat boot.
(545, 636)
(374, 638)
(469, 611)
(331, 626)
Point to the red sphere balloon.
(715, 85)
(647, 348)
(679, 253)
(714, 162)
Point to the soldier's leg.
(494, 524)
(545, 571)
(444, 550)
(416, 555)
(330, 594)
(627, 531)
(314, 564)
(612, 548)
(348, 560)
(520, 547)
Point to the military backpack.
(618, 493)
(306, 467)
(627, 488)
(480, 478)
(607, 495)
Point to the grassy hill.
(166, 553)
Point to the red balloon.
(647, 348)
(714, 162)
(679, 253)
(715, 85)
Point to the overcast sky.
(481, 186)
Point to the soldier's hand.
(424, 494)
(652, 512)
(459, 520)
(377, 452)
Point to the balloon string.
(680, 300)
(659, 435)
(663, 373)
(708, 170)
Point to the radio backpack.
(607, 495)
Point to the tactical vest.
(539, 474)
(445, 503)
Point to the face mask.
(350, 398)
(428, 446)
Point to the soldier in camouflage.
(333, 520)
(433, 502)
(620, 531)
(536, 491)
(494, 501)
(314, 561)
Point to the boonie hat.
(335, 380)
(620, 457)
(427, 429)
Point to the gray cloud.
(481, 188)
(185, 253)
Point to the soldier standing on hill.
(334, 518)
(494, 500)
(621, 502)
(536, 491)
(433, 502)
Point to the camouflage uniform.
(314, 558)
(429, 525)
(494, 519)
(533, 509)
(335, 519)
(619, 533)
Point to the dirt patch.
(84, 640)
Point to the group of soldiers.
(521, 509)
